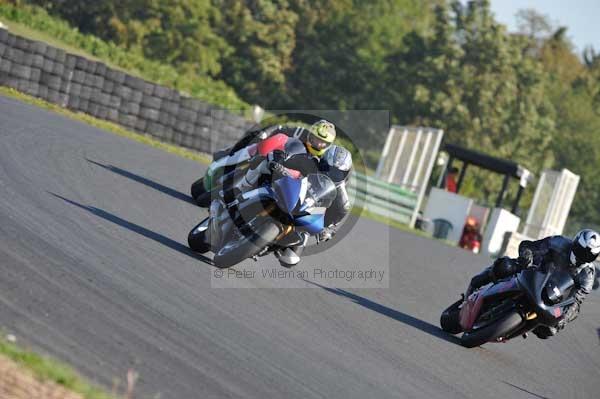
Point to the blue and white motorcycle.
(264, 220)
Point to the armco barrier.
(383, 199)
(91, 87)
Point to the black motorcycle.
(511, 307)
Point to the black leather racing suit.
(551, 250)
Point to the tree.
(262, 35)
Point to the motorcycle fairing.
(472, 308)
(287, 190)
(312, 223)
(275, 142)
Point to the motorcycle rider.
(297, 149)
(574, 256)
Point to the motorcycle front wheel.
(500, 328)
(449, 321)
(198, 239)
(257, 234)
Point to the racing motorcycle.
(510, 307)
(266, 219)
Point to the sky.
(581, 17)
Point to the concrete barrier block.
(134, 83)
(137, 96)
(113, 115)
(161, 92)
(151, 102)
(42, 92)
(20, 71)
(73, 102)
(101, 69)
(15, 55)
(130, 108)
(79, 76)
(36, 75)
(170, 106)
(37, 61)
(58, 69)
(149, 114)
(81, 63)
(22, 43)
(128, 120)
(108, 86)
(141, 125)
(91, 66)
(61, 56)
(4, 35)
(103, 112)
(83, 104)
(86, 92)
(10, 40)
(114, 102)
(2, 49)
(27, 58)
(93, 108)
(5, 66)
(118, 77)
(51, 81)
(75, 89)
(124, 92)
(48, 65)
(39, 48)
(53, 96)
(147, 88)
(187, 115)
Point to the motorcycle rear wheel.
(259, 233)
(490, 332)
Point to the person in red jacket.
(451, 184)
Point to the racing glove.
(525, 259)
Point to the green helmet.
(321, 136)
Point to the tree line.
(527, 96)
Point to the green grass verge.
(19, 29)
(46, 369)
(109, 126)
(390, 222)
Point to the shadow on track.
(166, 241)
(392, 313)
(145, 181)
(525, 390)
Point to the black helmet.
(585, 248)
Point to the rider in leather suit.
(575, 256)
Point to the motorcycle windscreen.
(321, 191)
(287, 190)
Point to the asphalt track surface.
(94, 270)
